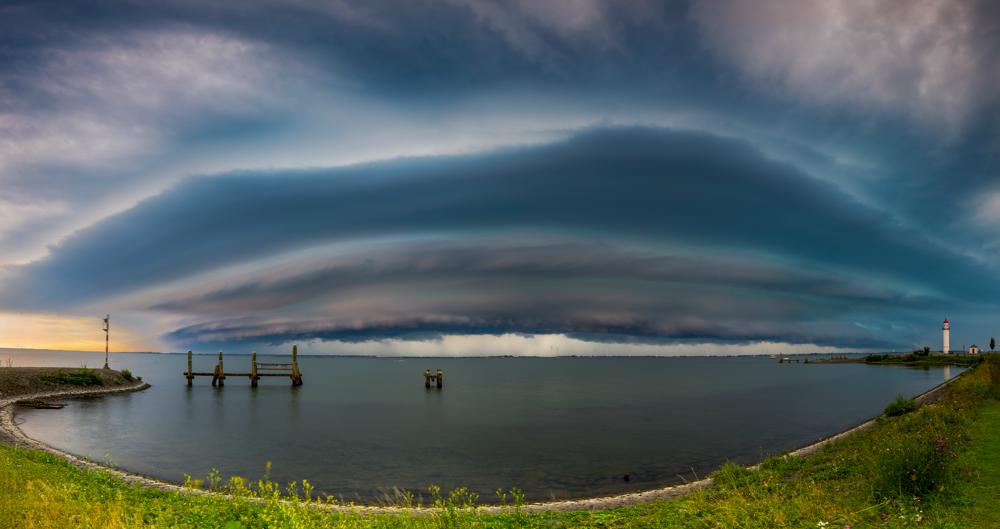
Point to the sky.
(517, 177)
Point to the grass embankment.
(16, 381)
(924, 359)
(935, 467)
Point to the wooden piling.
(220, 372)
(296, 374)
(253, 370)
(190, 372)
(438, 378)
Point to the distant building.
(945, 332)
(973, 350)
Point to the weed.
(900, 406)
(79, 377)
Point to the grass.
(900, 406)
(79, 377)
(918, 358)
(23, 380)
(979, 497)
(936, 467)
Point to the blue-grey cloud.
(844, 175)
(651, 188)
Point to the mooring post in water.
(190, 371)
(296, 374)
(438, 378)
(253, 370)
(220, 373)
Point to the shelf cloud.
(387, 176)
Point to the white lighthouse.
(945, 334)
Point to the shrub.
(80, 377)
(900, 406)
(127, 375)
(917, 460)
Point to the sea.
(364, 429)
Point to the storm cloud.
(712, 172)
(649, 233)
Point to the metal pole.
(107, 338)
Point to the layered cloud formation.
(388, 178)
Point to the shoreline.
(11, 434)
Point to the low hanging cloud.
(636, 233)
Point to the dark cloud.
(875, 212)
(650, 188)
(489, 261)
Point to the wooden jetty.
(437, 377)
(257, 370)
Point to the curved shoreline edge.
(20, 439)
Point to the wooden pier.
(257, 370)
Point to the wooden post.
(296, 374)
(440, 378)
(253, 370)
(222, 372)
(427, 378)
(190, 377)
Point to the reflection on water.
(553, 427)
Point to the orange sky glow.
(55, 331)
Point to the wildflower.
(821, 524)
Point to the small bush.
(900, 406)
(127, 375)
(80, 377)
(917, 461)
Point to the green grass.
(79, 377)
(976, 504)
(900, 406)
(919, 359)
(936, 467)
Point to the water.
(556, 428)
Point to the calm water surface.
(561, 427)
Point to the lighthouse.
(945, 332)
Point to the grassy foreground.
(936, 467)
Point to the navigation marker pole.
(107, 329)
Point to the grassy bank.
(936, 467)
(16, 381)
(921, 359)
